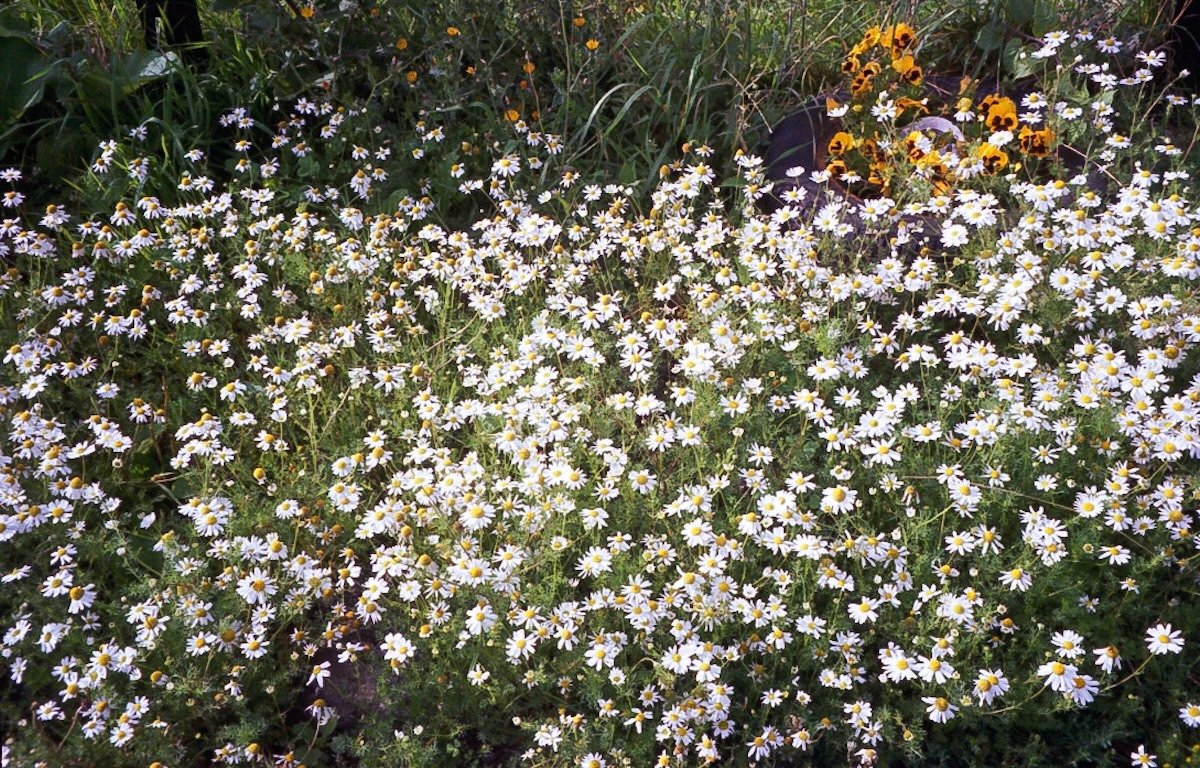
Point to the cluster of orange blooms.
(883, 63)
(898, 40)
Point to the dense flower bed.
(605, 477)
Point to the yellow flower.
(841, 143)
(860, 84)
(453, 31)
(913, 142)
(307, 11)
(411, 76)
(994, 159)
(578, 21)
(592, 44)
(870, 39)
(1036, 143)
(899, 37)
(401, 44)
(941, 179)
(512, 115)
(836, 169)
(904, 103)
(1002, 115)
(907, 67)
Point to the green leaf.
(628, 174)
(144, 461)
(1023, 68)
(134, 70)
(184, 488)
(1009, 57)
(12, 25)
(307, 167)
(58, 152)
(1021, 12)
(23, 72)
(990, 37)
(1044, 19)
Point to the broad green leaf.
(1044, 19)
(991, 36)
(628, 174)
(137, 68)
(23, 71)
(1009, 56)
(1021, 11)
(307, 167)
(143, 461)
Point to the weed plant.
(516, 434)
